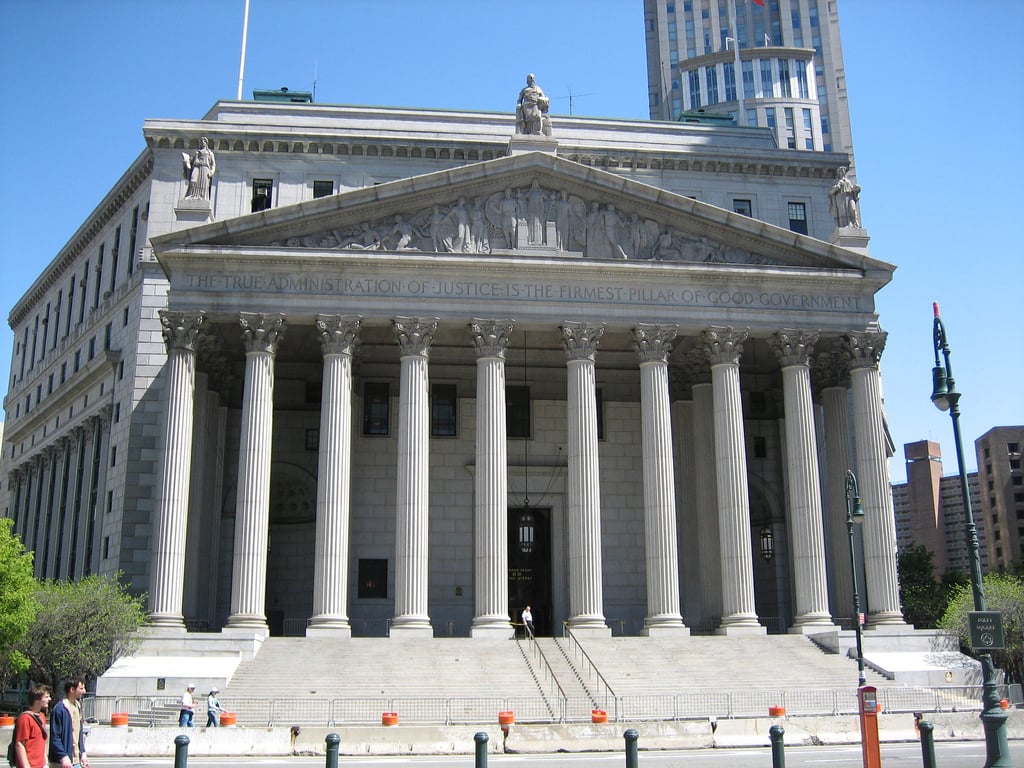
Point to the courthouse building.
(368, 371)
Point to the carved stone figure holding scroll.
(199, 169)
(532, 110)
(843, 201)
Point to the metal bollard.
(927, 744)
(631, 737)
(778, 748)
(332, 740)
(181, 751)
(481, 749)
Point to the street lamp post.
(946, 398)
(855, 515)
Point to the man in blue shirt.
(67, 740)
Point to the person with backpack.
(28, 743)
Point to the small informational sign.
(986, 630)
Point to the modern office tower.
(776, 64)
(1001, 512)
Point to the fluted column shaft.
(338, 337)
(652, 345)
(166, 583)
(586, 611)
(414, 336)
(261, 334)
(724, 347)
(490, 483)
(883, 594)
(793, 349)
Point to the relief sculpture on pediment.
(533, 220)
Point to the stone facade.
(408, 405)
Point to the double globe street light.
(855, 515)
(946, 398)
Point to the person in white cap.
(213, 709)
(188, 707)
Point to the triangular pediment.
(532, 204)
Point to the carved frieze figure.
(478, 232)
(199, 168)
(843, 200)
(535, 218)
(402, 233)
(532, 110)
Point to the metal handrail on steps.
(590, 665)
(538, 652)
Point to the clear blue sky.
(936, 89)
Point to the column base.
(166, 621)
(589, 626)
(247, 621)
(740, 624)
(493, 630)
(411, 626)
(811, 624)
(666, 629)
(886, 619)
(325, 626)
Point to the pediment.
(532, 204)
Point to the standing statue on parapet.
(532, 110)
(199, 169)
(844, 200)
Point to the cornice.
(121, 193)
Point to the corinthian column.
(490, 483)
(652, 344)
(338, 337)
(724, 347)
(873, 479)
(586, 610)
(260, 334)
(167, 573)
(832, 376)
(414, 336)
(807, 540)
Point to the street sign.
(986, 630)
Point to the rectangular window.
(99, 278)
(767, 91)
(373, 579)
(113, 455)
(730, 81)
(748, 80)
(1013, 447)
(84, 285)
(114, 252)
(797, 217)
(92, 348)
(787, 90)
(801, 81)
(376, 408)
(743, 206)
(262, 194)
(769, 115)
(313, 439)
(752, 116)
(323, 188)
(71, 305)
(808, 125)
(711, 79)
(107, 334)
(517, 411)
(444, 404)
(133, 239)
(56, 318)
(694, 89)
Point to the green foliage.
(82, 627)
(923, 599)
(17, 602)
(1003, 593)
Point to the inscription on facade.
(608, 293)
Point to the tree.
(923, 599)
(17, 602)
(82, 628)
(1003, 593)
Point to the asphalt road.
(969, 754)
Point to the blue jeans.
(185, 718)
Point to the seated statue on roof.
(532, 110)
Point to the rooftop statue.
(199, 169)
(532, 110)
(843, 200)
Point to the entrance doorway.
(529, 566)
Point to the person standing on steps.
(528, 621)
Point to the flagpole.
(241, 63)
(737, 66)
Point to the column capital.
(653, 343)
(793, 346)
(831, 369)
(261, 332)
(490, 337)
(864, 347)
(180, 328)
(415, 334)
(339, 334)
(580, 339)
(724, 344)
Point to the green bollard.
(333, 740)
(778, 748)
(181, 751)
(631, 737)
(481, 749)
(927, 744)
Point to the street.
(957, 754)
